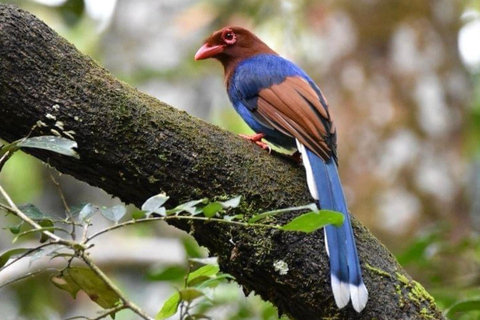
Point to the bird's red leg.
(257, 139)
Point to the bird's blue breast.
(251, 76)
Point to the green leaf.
(11, 147)
(211, 209)
(160, 211)
(15, 229)
(189, 207)
(170, 273)
(75, 209)
(62, 255)
(192, 249)
(153, 204)
(24, 233)
(232, 218)
(201, 262)
(169, 308)
(255, 218)
(416, 252)
(114, 213)
(56, 144)
(32, 212)
(138, 214)
(190, 294)
(45, 223)
(74, 279)
(8, 254)
(311, 221)
(205, 272)
(49, 251)
(67, 284)
(232, 203)
(7, 151)
(463, 306)
(212, 282)
(88, 211)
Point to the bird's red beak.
(208, 51)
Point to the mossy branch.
(134, 146)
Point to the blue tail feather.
(346, 275)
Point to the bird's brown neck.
(229, 66)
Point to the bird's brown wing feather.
(294, 108)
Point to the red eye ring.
(229, 37)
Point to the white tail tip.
(341, 292)
(359, 295)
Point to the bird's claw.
(297, 157)
(257, 139)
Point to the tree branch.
(134, 146)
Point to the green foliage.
(446, 270)
(211, 209)
(170, 307)
(197, 288)
(470, 305)
(55, 144)
(51, 143)
(174, 273)
(11, 253)
(155, 205)
(114, 213)
(33, 212)
(313, 221)
(74, 279)
(258, 217)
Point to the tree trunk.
(134, 146)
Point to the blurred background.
(403, 81)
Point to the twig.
(131, 222)
(85, 232)
(80, 249)
(67, 208)
(109, 312)
(25, 276)
(127, 303)
(32, 223)
(26, 254)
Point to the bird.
(283, 105)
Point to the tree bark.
(134, 146)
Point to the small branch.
(32, 223)
(80, 250)
(26, 254)
(85, 232)
(126, 303)
(23, 277)
(192, 218)
(65, 204)
(111, 312)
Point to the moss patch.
(414, 292)
(378, 271)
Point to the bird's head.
(231, 45)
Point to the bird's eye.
(229, 37)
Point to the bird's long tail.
(346, 275)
